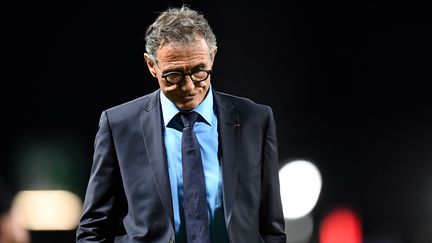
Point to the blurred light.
(299, 230)
(300, 183)
(47, 210)
(341, 226)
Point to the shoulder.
(242, 104)
(133, 107)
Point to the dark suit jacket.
(128, 198)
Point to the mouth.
(188, 96)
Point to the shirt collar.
(205, 109)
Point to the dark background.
(348, 82)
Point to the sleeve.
(102, 209)
(272, 224)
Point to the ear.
(150, 64)
(213, 54)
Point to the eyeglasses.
(177, 77)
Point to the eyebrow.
(199, 66)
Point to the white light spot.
(47, 210)
(300, 183)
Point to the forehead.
(178, 54)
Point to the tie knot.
(189, 118)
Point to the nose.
(187, 84)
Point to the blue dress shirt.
(207, 135)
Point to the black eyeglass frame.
(165, 76)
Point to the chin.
(187, 107)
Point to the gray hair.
(178, 25)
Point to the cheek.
(165, 87)
(206, 87)
(203, 85)
(170, 93)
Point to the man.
(140, 189)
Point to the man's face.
(186, 95)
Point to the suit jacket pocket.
(250, 173)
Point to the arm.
(272, 224)
(101, 215)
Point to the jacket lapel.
(151, 123)
(229, 134)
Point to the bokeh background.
(348, 82)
